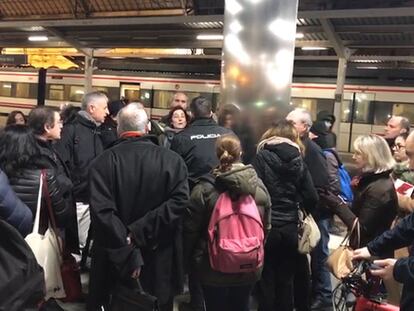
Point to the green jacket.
(239, 180)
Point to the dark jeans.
(196, 292)
(321, 277)
(275, 289)
(302, 283)
(229, 298)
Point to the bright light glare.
(299, 35)
(209, 37)
(38, 38)
(236, 27)
(234, 46)
(233, 7)
(283, 29)
(313, 48)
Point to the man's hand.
(386, 270)
(135, 274)
(361, 253)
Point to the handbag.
(308, 233)
(46, 250)
(132, 298)
(340, 260)
(69, 269)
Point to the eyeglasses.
(399, 146)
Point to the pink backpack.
(235, 235)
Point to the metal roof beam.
(159, 20)
(309, 29)
(84, 4)
(372, 44)
(334, 38)
(77, 45)
(385, 58)
(383, 28)
(357, 13)
(313, 43)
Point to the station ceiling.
(371, 34)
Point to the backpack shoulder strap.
(325, 151)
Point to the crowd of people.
(145, 194)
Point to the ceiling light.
(210, 37)
(150, 57)
(313, 48)
(368, 67)
(38, 38)
(299, 35)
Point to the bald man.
(396, 125)
(139, 192)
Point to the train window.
(406, 110)
(101, 89)
(362, 111)
(56, 92)
(76, 93)
(5, 89)
(313, 105)
(23, 90)
(382, 112)
(162, 99)
(146, 97)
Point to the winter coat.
(109, 132)
(196, 145)
(316, 163)
(12, 209)
(52, 160)
(286, 177)
(401, 235)
(240, 180)
(141, 189)
(167, 136)
(25, 184)
(375, 204)
(80, 144)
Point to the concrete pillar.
(258, 53)
(339, 96)
(88, 72)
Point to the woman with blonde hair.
(223, 291)
(375, 200)
(280, 165)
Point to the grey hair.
(405, 124)
(304, 116)
(132, 117)
(91, 97)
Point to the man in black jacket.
(196, 144)
(139, 193)
(316, 163)
(80, 143)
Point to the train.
(365, 108)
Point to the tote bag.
(46, 250)
(340, 260)
(308, 233)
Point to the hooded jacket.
(240, 180)
(281, 167)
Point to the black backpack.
(22, 282)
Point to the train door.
(356, 118)
(130, 91)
